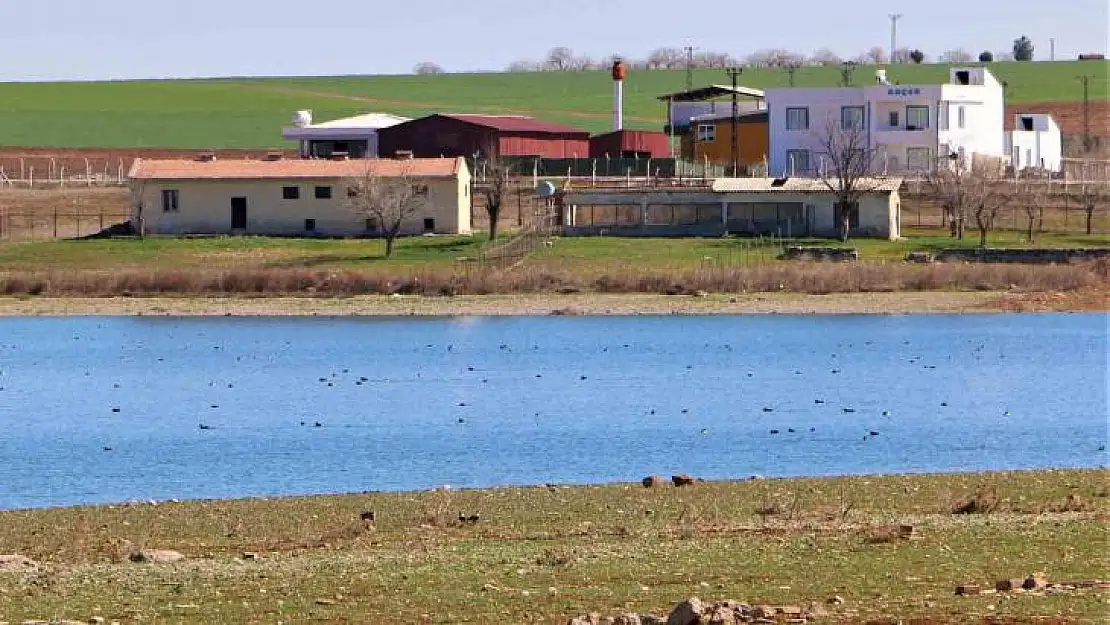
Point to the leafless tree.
(522, 66)
(1092, 196)
(824, 57)
(426, 68)
(956, 55)
(848, 162)
(387, 202)
(1031, 195)
(494, 187)
(988, 194)
(876, 55)
(902, 55)
(665, 58)
(560, 59)
(714, 60)
(949, 187)
(1003, 55)
(774, 58)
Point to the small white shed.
(355, 137)
(1035, 142)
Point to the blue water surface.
(103, 409)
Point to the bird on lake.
(818, 401)
(205, 427)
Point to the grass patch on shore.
(546, 553)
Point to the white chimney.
(619, 73)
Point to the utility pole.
(894, 17)
(689, 67)
(846, 69)
(1052, 49)
(1086, 80)
(734, 74)
(791, 70)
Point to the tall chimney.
(620, 71)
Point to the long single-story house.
(782, 206)
(291, 197)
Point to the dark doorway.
(238, 213)
(429, 224)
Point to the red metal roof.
(143, 169)
(514, 123)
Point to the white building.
(1035, 143)
(909, 128)
(356, 137)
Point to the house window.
(851, 117)
(290, 193)
(420, 190)
(917, 117)
(429, 224)
(707, 132)
(961, 118)
(797, 161)
(894, 119)
(310, 225)
(323, 193)
(169, 201)
(917, 159)
(797, 118)
(371, 224)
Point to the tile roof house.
(290, 197)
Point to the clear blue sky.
(107, 39)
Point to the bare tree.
(522, 66)
(665, 58)
(1092, 196)
(824, 57)
(1031, 195)
(956, 55)
(559, 59)
(775, 57)
(494, 188)
(950, 186)
(714, 60)
(876, 55)
(902, 55)
(426, 68)
(848, 162)
(988, 194)
(386, 202)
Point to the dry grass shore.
(569, 304)
(893, 548)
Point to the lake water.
(103, 409)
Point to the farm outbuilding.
(781, 206)
(294, 197)
(356, 136)
(449, 135)
(631, 144)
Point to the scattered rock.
(907, 532)
(682, 480)
(250, 555)
(835, 600)
(651, 619)
(155, 556)
(722, 615)
(325, 602)
(15, 563)
(653, 481)
(815, 610)
(686, 613)
(1009, 585)
(763, 611)
(968, 590)
(96, 620)
(628, 619)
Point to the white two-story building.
(907, 128)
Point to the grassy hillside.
(249, 113)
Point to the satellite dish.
(545, 189)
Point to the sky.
(120, 39)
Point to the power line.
(894, 17)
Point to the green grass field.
(589, 254)
(249, 113)
(542, 555)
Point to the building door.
(238, 213)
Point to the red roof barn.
(631, 144)
(466, 135)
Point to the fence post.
(55, 222)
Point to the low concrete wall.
(1029, 256)
(702, 230)
(834, 254)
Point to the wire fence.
(46, 225)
